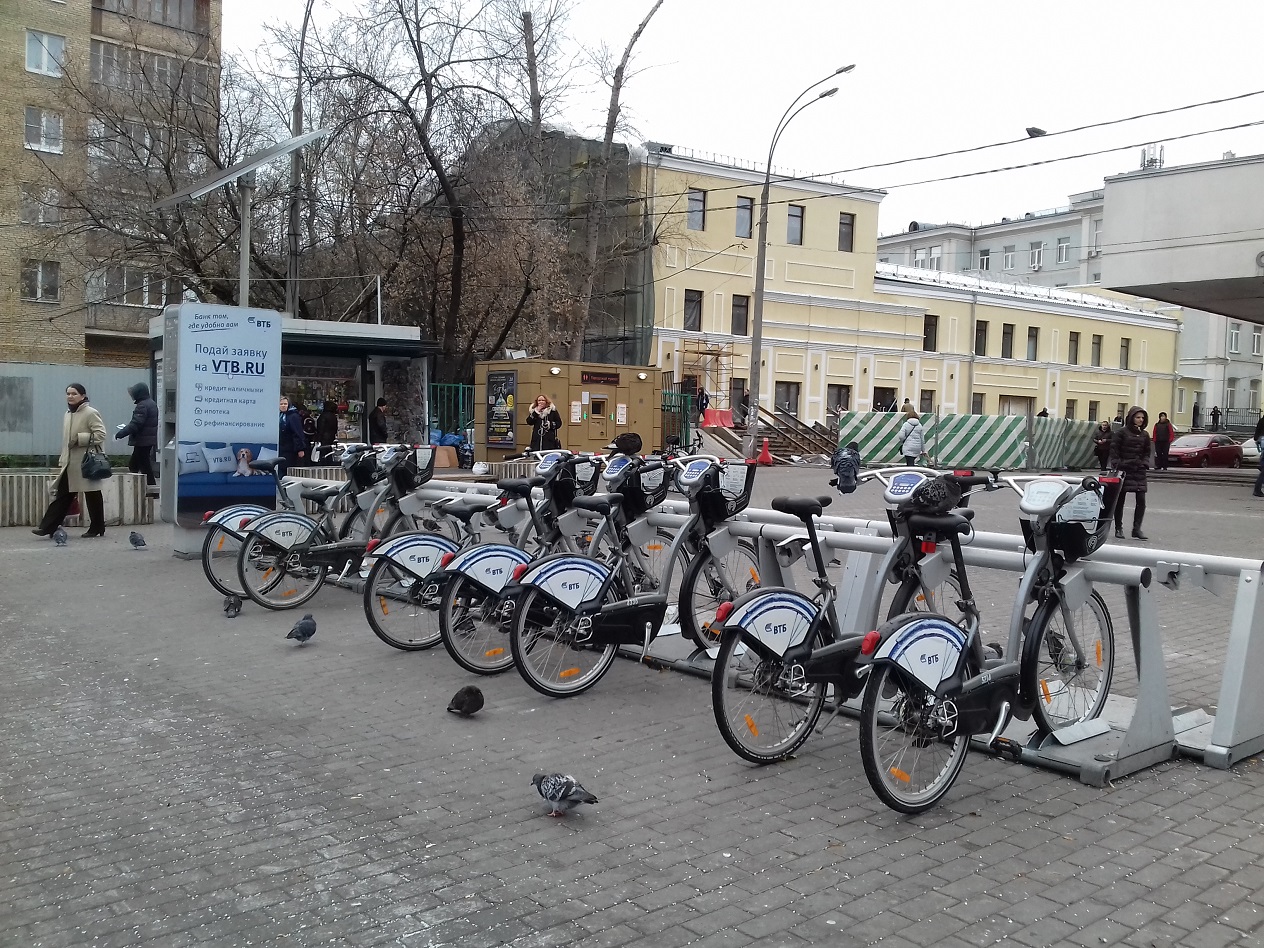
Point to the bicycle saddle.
(320, 494)
(467, 508)
(801, 507)
(958, 521)
(267, 466)
(598, 503)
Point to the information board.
(501, 393)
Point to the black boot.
(1136, 531)
(1119, 531)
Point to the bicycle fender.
(777, 617)
(286, 530)
(418, 553)
(489, 566)
(569, 579)
(928, 647)
(231, 517)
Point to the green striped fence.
(990, 441)
(1062, 443)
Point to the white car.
(1250, 453)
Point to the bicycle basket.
(1083, 525)
(727, 492)
(587, 476)
(414, 470)
(362, 470)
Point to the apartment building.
(843, 331)
(68, 292)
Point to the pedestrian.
(704, 402)
(1101, 444)
(545, 423)
(912, 438)
(81, 429)
(1130, 455)
(1259, 443)
(1163, 434)
(745, 406)
(142, 432)
(327, 429)
(378, 433)
(1215, 417)
(906, 406)
(1197, 419)
(291, 443)
(1119, 419)
(1043, 413)
(1259, 434)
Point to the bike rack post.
(1238, 728)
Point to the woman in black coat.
(327, 430)
(545, 423)
(1130, 455)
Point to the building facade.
(68, 294)
(843, 331)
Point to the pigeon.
(466, 702)
(136, 540)
(561, 792)
(303, 629)
(232, 606)
(59, 536)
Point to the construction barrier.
(986, 441)
(1061, 443)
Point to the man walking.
(141, 432)
(378, 433)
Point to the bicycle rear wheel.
(763, 712)
(709, 581)
(548, 649)
(909, 742)
(275, 577)
(220, 548)
(402, 610)
(1070, 684)
(472, 629)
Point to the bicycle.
(932, 685)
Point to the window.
(1125, 351)
(1257, 341)
(794, 224)
(1094, 408)
(1235, 336)
(126, 68)
(837, 398)
(980, 337)
(697, 218)
(921, 258)
(936, 257)
(40, 206)
(693, 310)
(1007, 340)
(1073, 348)
(45, 53)
(930, 333)
(985, 260)
(1064, 249)
(741, 310)
(745, 216)
(43, 129)
(737, 388)
(129, 143)
(1070, 409)
(977, 403)
(1096, 356)
(1036, 254)
(191, 15)
(1120, 408)
(786, 397)
(1008, 257)
(1097, 236)
(1033, 343)
(1231, 394)
(130, 284)
(846, 231)
(1253, 396)
(1097, 278)
(41, 280)
(926, 401)
(1180, 400)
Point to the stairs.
(786, 436)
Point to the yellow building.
(841, 331)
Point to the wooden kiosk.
(597, 403)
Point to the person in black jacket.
(327, 429)
(1102, 438)
(378, 433)
(291, 444)
(142, 432)
(545, 422)
(1130, 455)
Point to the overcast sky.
(715, 75)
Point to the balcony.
(108, 320)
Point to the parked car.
(1250, 452)
(1205, 450)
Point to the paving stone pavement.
(171, 777)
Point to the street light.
(761, 254)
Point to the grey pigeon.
(561, 792)
(59, 536)
(136, 540)
(232, 606)
(467, 701)
(303, 629)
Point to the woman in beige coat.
(81, 427)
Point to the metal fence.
(451, 407)
(678, 417)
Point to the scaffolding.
(711, 363)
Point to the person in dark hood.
(1102, 437)
(327, 429)
(1130, 455)
(291, 443)
(141, 432)
(1163, 433)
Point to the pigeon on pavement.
(232, 606)
(136, 540)
(467, 701)
(303, 629)
(561, 792)
(59, 536)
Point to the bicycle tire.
(911, 597)
(399, 611)
(472, 630)
(222, 546)
(384, 515)
(1068, 689)
(546, 649)
(274, 577)
(761, 716)
(707, 582)
(894, 739)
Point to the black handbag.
(95, 465)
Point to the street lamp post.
(761, 254)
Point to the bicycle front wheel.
(402, 610)
(549, 651)
(472, 628)
(909, 741)
(709, 581)
(1069, 660)
(275, 577)
(763, 711)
